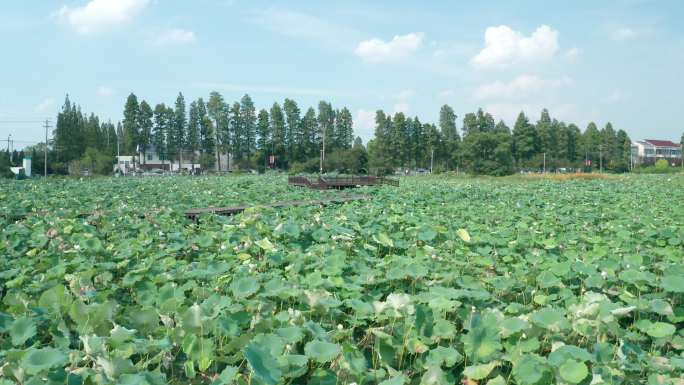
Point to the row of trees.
(202, 131)
(487, 147)
(216, 128)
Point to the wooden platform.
(193, 214)
(339, 182)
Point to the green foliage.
(415, 285)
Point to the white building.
(152, 160)
(648, 151)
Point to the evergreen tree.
(131, 124)
(217, 111)
(524, 140)
(192, 141)
(236, 131)
(485, 121)
(309, 133)
(326, 126)
(502, 128)
(449, 133)
(263, 131)
(145, 125)
(611, 151)
(432, 140)
(573, 140)
(69, 133)
(470, 124)
(591, 140)
(278, 134)
(248, 120)
(344, 130)
(398, 140)
(179, 128)
(160, 130)
(206, 134)
(293, 135)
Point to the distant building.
(153, 160)
(648, 151)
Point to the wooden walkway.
(339, 182)
(193, 214)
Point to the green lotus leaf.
(573, 371)
(244, 287)
(673, 283)
(321, 351)
(21, 330)
(263, 364)
(481, 371)
(39, 360)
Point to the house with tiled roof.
(648, 151)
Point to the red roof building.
(650, 150)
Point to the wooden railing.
(339, 181)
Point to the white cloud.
(45, 106)
(446, 93)
(308, 27)
(173, 36)
(615, 97)
(520, 86)
(402, 107)
(98, 15)
(405, 94)
(505, 46)
(376, 50)
(509, 111)
(364, 124)
(572, 53)
(104, 91)
(266, 89)
(622, 34)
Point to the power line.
(20, 121)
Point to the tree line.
(215, 128)
(485, 146)
(205, 131)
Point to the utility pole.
(118, 155)
(432, 159)
(47, 125)
(322, 153)
(9, 136)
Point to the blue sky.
(619, 61)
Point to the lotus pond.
(439, 281)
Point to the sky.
(618, 61)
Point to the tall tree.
(449, 132)
(591, 140)
(293, 136)
(309, 133)
(326, 124)
(344, 129)
(192, 137)
(525, 141)
(180, 122)
(162, 124)
(131, 123)
(216, 108)
(145, 124)
(69, 133)
(236, 131)
(263, 131)
(207, 136)
(248, 117)
(278, 134)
